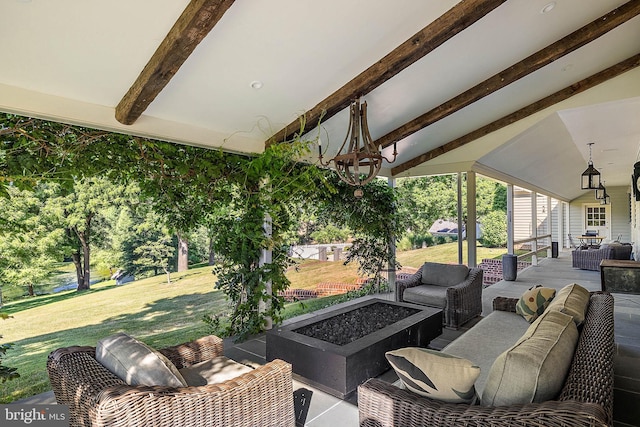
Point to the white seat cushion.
(213, 371)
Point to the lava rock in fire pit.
(348, 327)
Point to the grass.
(158, 313)
(150, 309)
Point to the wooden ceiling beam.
(458, 18)
(561, 95)
(543, 57)
(196, 21)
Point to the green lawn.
(150, 309)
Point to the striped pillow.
(434, 374)
(534, 301)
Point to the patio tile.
(256, 346)
(342, 414)
(244, 357)
(310, 403)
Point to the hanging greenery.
(233, 193)
(375, 222)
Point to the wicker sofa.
(586, 397)
(97, 397)
(455, 288)
(590, 258)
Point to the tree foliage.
(494, 229)
(188, 187)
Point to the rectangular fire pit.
(339, 369)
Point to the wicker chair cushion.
(136, 363)
(572, 300)
(534, 301)
(433, 296)
(434, 374)
(446, 275)
(534, 369)
(213, 371)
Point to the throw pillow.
(136, 363)
(572, 300)
(438, 274)
(534, 301)
(534, 369)
(434, 374)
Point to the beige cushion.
(213, 371)
(534, 301)
(136, 363)
(434, 273)
(534, 369)
(434, 374)
(572, 300)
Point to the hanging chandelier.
(591, 176)
(359, 161)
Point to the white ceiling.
(73, 60)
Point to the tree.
(82, 216)
(156, 253)
(30, 245)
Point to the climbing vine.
(233, 193)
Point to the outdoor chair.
(96, 396)
(590, 258)
(455, 288)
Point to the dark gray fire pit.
(339, 369)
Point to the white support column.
(391, 268)
(534, 227)
(561, 231)
(460, 219)
(471, 219)
(266, 257)
(510, 228)
(549, 225)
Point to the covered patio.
(514, 91)
(316, 408)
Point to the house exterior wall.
(619, 213)
(523, 220)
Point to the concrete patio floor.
(315, 408)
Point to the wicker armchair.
(96, 397)
(461, 302)
(586, 398)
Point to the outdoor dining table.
(590, 240)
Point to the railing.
(535, 247)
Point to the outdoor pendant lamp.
(590, 177)
(601, 191)
(359, 161)
(605, 198)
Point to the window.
(596, 216)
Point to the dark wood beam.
(458, 18)
(543, 57)
(196, 21)
(568, 92)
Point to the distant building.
(443, 227)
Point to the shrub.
(494, 230)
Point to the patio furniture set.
(123, 382)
